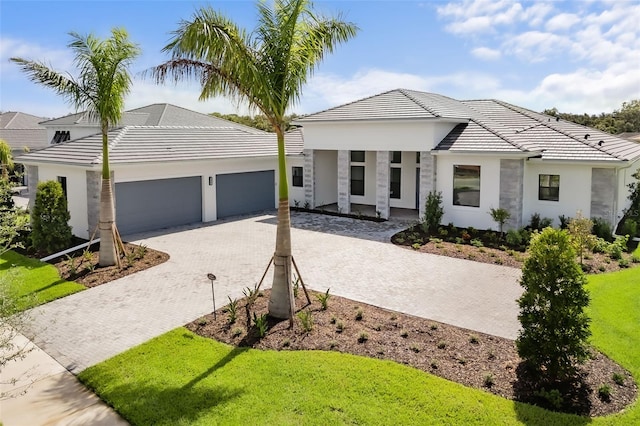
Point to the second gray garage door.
(242, 193)
(154, 204)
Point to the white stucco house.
(392, 149)
(172, 166)
(183, 168)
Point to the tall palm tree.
(266, 69)
(6, 159)
(102, 83)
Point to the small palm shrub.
(261, 324)
(323, 298)
(306, 320)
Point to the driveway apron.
(353, 258)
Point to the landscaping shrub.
(514, 238)
(579, 230)
(602, 229)
(50, 230)
(616, 248)
(555, 327)
(500, 216)
(631, 219)
(14, 222)
(564, 221)
(433, 212)
(539, 223)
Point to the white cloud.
(486, 53)
(536, 46)
(562, 22)
(55, 57)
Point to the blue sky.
(578, 56)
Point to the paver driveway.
(351, 257)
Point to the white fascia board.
(500, 154)
(611, 163)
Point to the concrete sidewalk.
(45, 393)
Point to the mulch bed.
(82, 266)
(473, 359)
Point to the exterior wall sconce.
(210, 180)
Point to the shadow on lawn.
(569, 398)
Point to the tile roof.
(488, 126)
(155, 115)
(143, 144)
(395, 104)
(21, 130)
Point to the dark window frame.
(465, 194)
(396, 157)
(395, 187)
(549, 190)
(297, 176)
(357, 185)
(62, 180)
(355, 156)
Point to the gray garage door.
(241, 193)
(154, 204)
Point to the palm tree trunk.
(281, 303)
(106, 224)
(107, 255)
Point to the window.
(418, 157)
(396, 157)
(63, 183)
(396, 172)
(296, 176)
(357, 180)
(357, 156)
(61, 136)
(466, 186)
(549, 187)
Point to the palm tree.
(102, 83)
(6, 159)
(265, 69)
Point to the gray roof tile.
(135, 144)
(155, 115)
(21, 130)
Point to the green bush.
(514, 238)
(629, 227)
(555, 327)
(616, 248)
(539, 223)
(500, 216)
(14, 222)
(433, 212)
(50, 230)
(602, 229)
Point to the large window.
(549, 187)
(466, 186)
(357, 156)
(296, 176)
(357, 180)
(395, 182)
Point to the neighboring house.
(392, 149)
(23, 133)
(74, 126)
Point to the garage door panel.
(243, 193)
(154, 204)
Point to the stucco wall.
(76, 194)
(397, 135)
(575, 191)
(326, 179)
(478, 217)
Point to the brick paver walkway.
(351, 257)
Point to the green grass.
(180, 378)
(615, 315)
(33, 282)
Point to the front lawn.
(33, 282)
(182, 378)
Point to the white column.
(383, 184)
(344, 181)
(309, 179)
